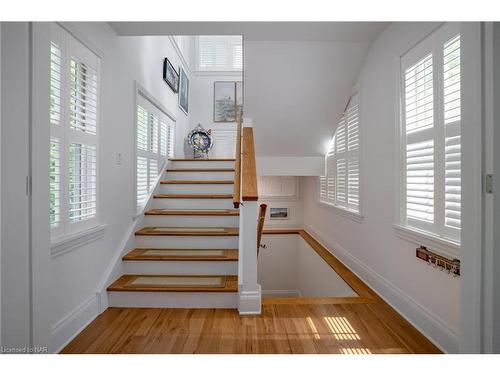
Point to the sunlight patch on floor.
(313, 328)
(354, 351)
(341, 328)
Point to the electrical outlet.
(119, 158)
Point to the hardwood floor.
(291, 328)
(354, 325)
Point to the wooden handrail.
(249, 170)
(237, 167)
(260, 225)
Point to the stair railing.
(237, 166)
(260, 226)
(248, 289)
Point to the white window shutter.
(141, 180)
(452, 117)
(82, 182)
(55, 183)
(163, 139)
(219, 53)
(431, 153)
(171, 140)
(74, 118)
(83, 97)
(342, 180)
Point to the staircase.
(186, 255)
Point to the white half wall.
(428, 298)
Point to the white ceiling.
(355, 32)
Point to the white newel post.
(249, 292)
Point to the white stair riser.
(203, 176)
(173, 299)
(190, 221)
(162, 267)
(196, 189)
(202, 164)
(186, 242)
(194, 204)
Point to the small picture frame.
(183, 91)
(170, 75)
(279, 213)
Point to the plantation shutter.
(452, 125)
(152, 147)
(432, 135)
(73, 147)
(340, 186)
(219, 53)
(419, 119)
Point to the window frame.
(70, 44)
(345, 210)
(141, 94)
(448, 244)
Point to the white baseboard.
(72, 324)
(281, 293)
(430, 325)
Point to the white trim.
(73, 323)
(65, 244)
(345, 212)
(433, 242)
(218, 73)
(433, 327)
(179, 53)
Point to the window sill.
(65, 244)
(354, 216)
(432, 242)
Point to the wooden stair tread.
(185, 231)
(196, 182)
(201, 170)
(192, 159)
(142, 254)
(126, 284)
(214, 212)
(193, 196)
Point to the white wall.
(295, 91)
(289, 267)
(429, 298)
(495, 348)
(201, 111)
(15, 256)
(76, 275)
(281, 192)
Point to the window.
(74, 127)
(340, 185)
(220, 53)
(430, 154)
(154, 143)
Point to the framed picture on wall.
(279, 213)
(228, 100)
(170, 75)
(183, 90)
